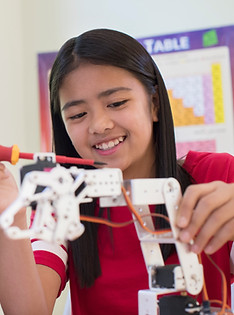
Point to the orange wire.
(131, 208)
(220, 302)
(224, 286)
(104, 221)
(139, 219)
(205, 294)
(204, 289)
(120, 224)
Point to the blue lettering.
(158, 46)
(149, 45)
(154, 46)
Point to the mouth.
(109, 144)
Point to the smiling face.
(109, 117)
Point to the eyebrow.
(100, 95)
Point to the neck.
(145, 170)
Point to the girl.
(109, 103)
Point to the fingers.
(217, 230)
(206, 215)
(5, 175)
(8, 188)
(225, 234)
(3, 171)
(190, 200)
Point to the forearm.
(21, 290)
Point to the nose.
(100, 122)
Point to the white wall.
(43, 26)
(12, 127)
(28, 27)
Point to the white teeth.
(110, 144)
(105, 146)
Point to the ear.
(155, 105)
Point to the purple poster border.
(45, 62)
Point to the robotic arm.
(57, 219)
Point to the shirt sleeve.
(205, 167)
(53, 256)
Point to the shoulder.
(53, 256)
(206, 166)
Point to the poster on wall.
(198, 69)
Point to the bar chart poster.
(198, 69)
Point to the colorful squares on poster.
(183, 116)
(218, 93)
(197, 99)
(182, 148)
(209, 114)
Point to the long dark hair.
(110, 47)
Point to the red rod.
(12, 155)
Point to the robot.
(56, 193)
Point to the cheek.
(79, 140)
(70, 133)
(76, 135)
(142, 120)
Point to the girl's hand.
(206, 215)
(8, 188)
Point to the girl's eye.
(118, 104)
(77, 116)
